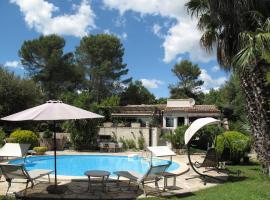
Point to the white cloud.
(120, 22)
(151, 83)
(215, 68)
(182, 37)
(38, 15)
(210, 82)
(122, 36)
(156, 29)
(13, 64)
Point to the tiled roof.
(194, 109)
(137, 109)
(156, 109)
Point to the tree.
(189, 83)
(136, 94)
(225, 25)
(102, 56)
(47, 64)
(17, 94)
(230, 100)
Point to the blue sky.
(156, 34)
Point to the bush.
(123, 141)
(25, 136)
(141, 142)
(2, 137)
(83, 134)
(232, 145)
(131, 144)
(178, 137)
(128, 143)
(47, 134)
(11, 140)
(40, 150)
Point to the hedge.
(233, 145)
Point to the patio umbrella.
(52, 111)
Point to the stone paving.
(77, 188)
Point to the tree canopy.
(102, 57)
(189, 83)
(136, 94)
(47, 64)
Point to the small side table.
(104, 175)
(167, 175)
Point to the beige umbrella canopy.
(198, 124)
(52, 111)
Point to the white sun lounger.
(14, 150)
(154, 174)
(11, 172)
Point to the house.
(151, 121)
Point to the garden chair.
(153, 175)
(210, 161)
(11, 172)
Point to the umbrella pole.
(55, 167)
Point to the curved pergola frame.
(191, 133)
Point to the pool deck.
(77, 186)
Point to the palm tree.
(240, 31)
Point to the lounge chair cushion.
(129, 174)
(37, 173)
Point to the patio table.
(104, 175)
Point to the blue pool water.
(76, 165)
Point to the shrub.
(123, 141)
(131, 144)
(232, 145)
(141, 142)
(11, 140)
(47, 134)
(178, 137)
(25, 136)
(83, 134)
(2, 137)
(40, 150)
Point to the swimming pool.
(76, 165)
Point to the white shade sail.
(52, 111)
(198, 124)
(14, 150)
(160, 151)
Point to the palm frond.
(244, 57)
(197, 7)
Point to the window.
(181, 121)
(169, 122)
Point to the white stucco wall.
(132, 133)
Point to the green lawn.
(254, 186)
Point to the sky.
(156, 34)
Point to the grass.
(253, 186)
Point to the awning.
(160, 151)
(196, 125)
(14, 150)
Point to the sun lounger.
(11, 172)
(154, 174)
(14, 150)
